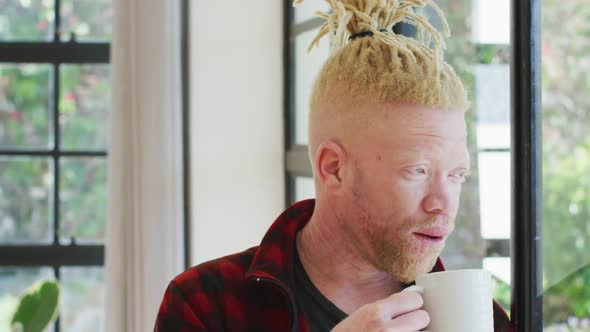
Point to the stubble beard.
(397, 256)
(392, 254)
(388, 253)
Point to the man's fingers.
(398, 304)
(399, 312)
(413, 321)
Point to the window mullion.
(527, 270)
(57, 277)
(69, 52)
(52, 255)
(51, 152)
(56, 157)
(57, 21)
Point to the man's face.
(408, 169)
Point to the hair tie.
(365, 33)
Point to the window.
(481, 55)
(54, 117)
(480, 50)
(303, 67)
(565, 119)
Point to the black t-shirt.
(322, 315)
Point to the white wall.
(236, 124)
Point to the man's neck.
(337, 270)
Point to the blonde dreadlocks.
(369, 60)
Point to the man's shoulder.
(207, 296)
(217, 273)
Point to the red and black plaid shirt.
(251, 290)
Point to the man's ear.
(330, 160)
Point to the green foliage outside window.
(566, 162)
(26, 123)
(26, 20)
(27, 183)
(566, 150)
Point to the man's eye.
(460, 176)
(419, 171)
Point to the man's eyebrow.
(426, 134)
(412, 151)
(414, 148)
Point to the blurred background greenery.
(565, 47)
(28, 97)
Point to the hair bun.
(350, 19)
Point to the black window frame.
(526, 116)
(55, 53)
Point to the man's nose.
(439, 198)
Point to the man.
(387, 142)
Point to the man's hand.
(399, 312)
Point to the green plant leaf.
(38, 307)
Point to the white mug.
(457, 300)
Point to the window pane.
(13, 282)
(304, 188)
(307, 66)
(566, 165)
(82, 303)
(25, 200)
(89, 20)
(25, 103)
(82, 199)
(501, 274)
(84, 106)
(491, 20)
(492, 91)
(307, 9)
(26, 20)
(494, 193)
(478, 50)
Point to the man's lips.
(434, 233)
(429, 238)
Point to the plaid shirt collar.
(274, 259)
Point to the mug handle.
(417, 289)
